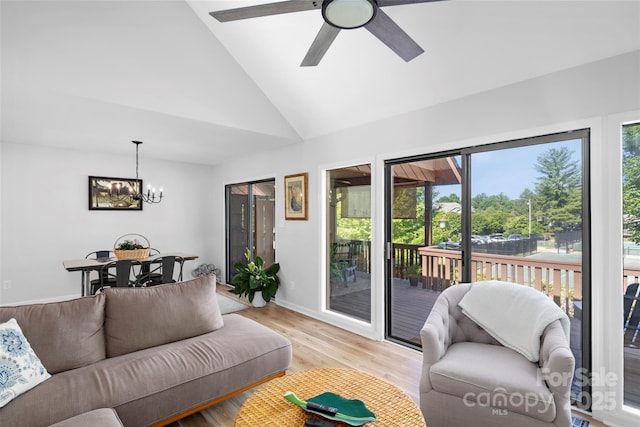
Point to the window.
(631, 251)
(349, 241)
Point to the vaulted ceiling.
(97, 74)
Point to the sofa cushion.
(77, 326)
(20, 368)
(139, 318)
(493, 376)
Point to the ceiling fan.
(338, 15)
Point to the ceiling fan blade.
(389, 33)
(323, 40)
(266, 10)
(384, 3)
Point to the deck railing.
(559, 279)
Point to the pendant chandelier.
(148, 197)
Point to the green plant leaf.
(272, 270)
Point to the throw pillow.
(20, 368)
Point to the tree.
(631, 180)
(490, 220)
(451, 198)
(499, 202)
(452, 229)
(558, 188)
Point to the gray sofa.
(470, 379)
(153, 354)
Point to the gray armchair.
(470, 379)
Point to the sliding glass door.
(250, 220)
(529, 225)
(515, 211)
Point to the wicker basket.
(136, 254)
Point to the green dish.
(352, 412)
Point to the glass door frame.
(388, 243)
(586, 320)
(250, 215)
(466, 253)
(609, 355)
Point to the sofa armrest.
(435, 337)
(557, 366)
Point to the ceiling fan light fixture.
(348, 14)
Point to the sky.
(508, 171)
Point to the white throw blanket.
(513, 314)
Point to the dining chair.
(157, 272)
(117, 273)
(145, 267)
(102, 255)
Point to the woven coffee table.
(267, 406)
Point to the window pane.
(349, 241)
(526, 224)
(250, 222)
(631, 298)
(238, 227)
(264, 196)
(425, 218)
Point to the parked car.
(515, 237)
(449, 245)
(479, 240)
(497, 237)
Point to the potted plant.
(413, 272)
(257, 283)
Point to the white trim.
(374, 329)
(610, 353)
(333, 318)
(378, 243)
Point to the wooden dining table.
(87, 265)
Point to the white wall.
(45, 216)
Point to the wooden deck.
(411, 306)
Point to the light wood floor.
(317, 344)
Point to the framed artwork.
(295, 196)
(114, 194)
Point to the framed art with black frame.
(114, 194)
